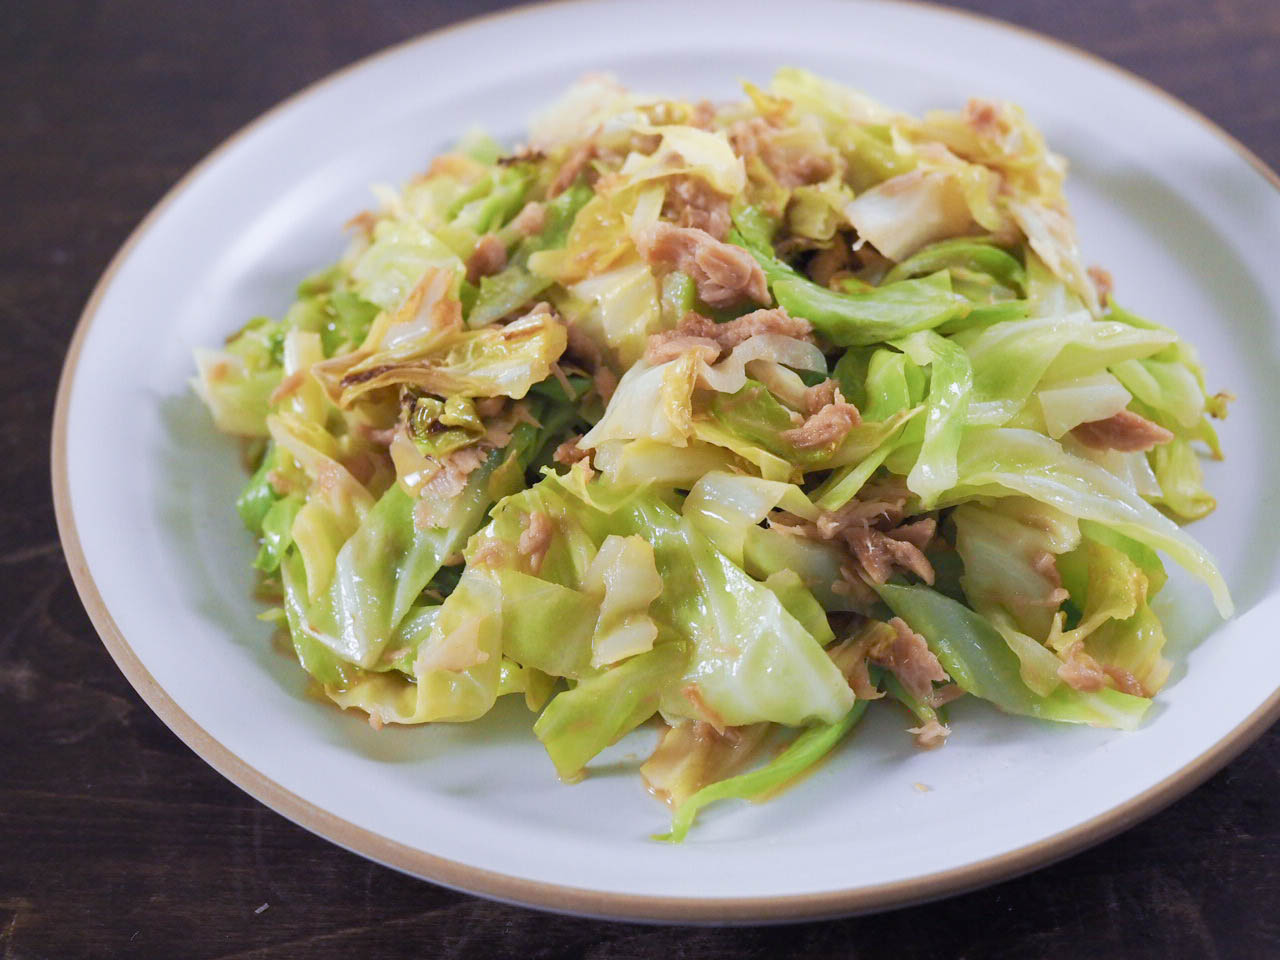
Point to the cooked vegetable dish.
(733, 418)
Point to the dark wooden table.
(116, 840)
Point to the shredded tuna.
(498, 435)
(829, 425)
(522, 415)
(489, 256)
(918, 533)
(605, 381)
(788, 248)
(859, 679)
(819, 395)
(943, 695)
(1045, 564)
(931, 735)
(491, 552)
(1126, 682)
(531, 219)
(879, 554)
(455, 468)
(745, 136)
(1103, 283)
(570, 453)
(362, 465)
(710, 339)
(870, 529)
(490, 406)
(570, 169)
(793, 167)
(851, 585)
(909, 658)
(772, 320)
(984, 117)
(1126, 431)
(859, 512)
(1080, 671)
(909, 557)
(694, 331)
(724, 274)
(827, 263)
(447, 483)
(704, 115)
(661, 348)
(363, 222)
(382, 436)
(562, 379)
(691, 202)
(829, 525)
(587, 352)
(791, 526)
(535, 539)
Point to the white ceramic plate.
(144, 486)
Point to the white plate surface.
(1188, 227)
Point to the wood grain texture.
(115, 840)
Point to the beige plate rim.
(576, 900)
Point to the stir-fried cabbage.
(725, 418)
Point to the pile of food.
(738, 416)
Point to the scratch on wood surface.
(30, 553)
(18, 681)
(289, 948)
(144, 803)
(39, 601)
(19, 908)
